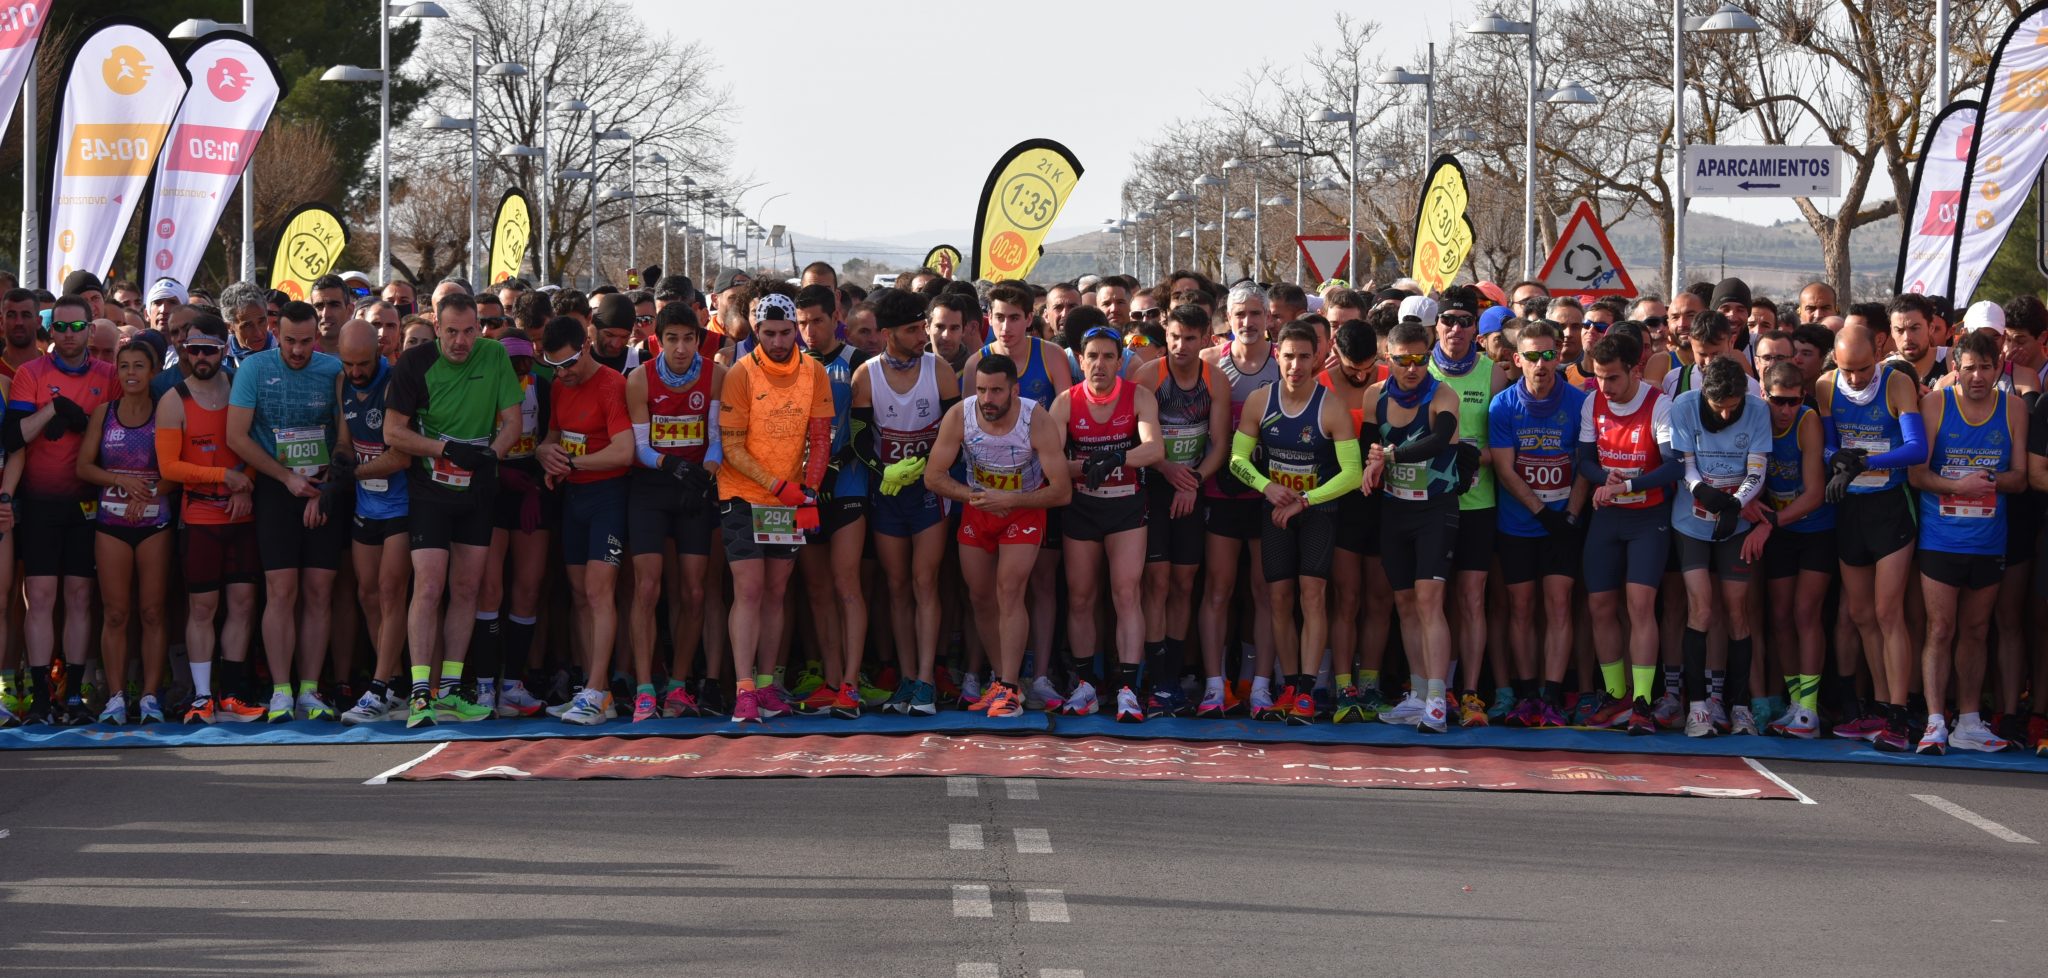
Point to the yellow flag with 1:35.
(1443, 231)
(313, 238)
(1022, 198)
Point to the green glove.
(901, 473)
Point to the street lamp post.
(1570, 94)
(1289, 145)
(595, 138)
(186, 30)
(503, 69)
(1222, 202)
(1195, 238)
(1427, 79)
(424, 10)
(1235, 163)
(1729, 19)
(1149, 263)
(1350, 120)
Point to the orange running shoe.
(1234, 695)
(820, 700)
(231, 709)
(1003, 701)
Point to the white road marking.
(409, 765)
(1061, 973)
(963, 787)
(1758, 767)
(4, 833)
(1021, 789)
(964, 836)
(977, 969)
(1034, 842)
(1940, 804)
(1046, 906)
(972, 901)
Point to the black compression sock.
(1127, 676)
(1736, 688)
(518, 645)
(1552, 693)
(485, 643)
(39, 684)
(231, 678)
(1695, 647)
(1156, 671)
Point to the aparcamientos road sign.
(1763, 171)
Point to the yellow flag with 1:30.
(509, 236)
(1019, 203)
(1443, 231)
(312, 240)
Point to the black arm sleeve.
(1666, 473)
(857, 440)
(10, 431)
(1589, 464)
(1443, 432)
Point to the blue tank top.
(363, 409)
(852, 479)
(1299, 454)
(1415, 481)
(1545, 437)
(1959, 524)
(1871, 427)
(1032, 380)
(1783, 480)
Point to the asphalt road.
(280, 861)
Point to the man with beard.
(20, 318)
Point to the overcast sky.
(1128, 70)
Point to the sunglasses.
(359, 292)
(1787, 400)
(1655, 322)
(1149, 315)
(1410, 360)
(491, 322)
(643, 320)
(1137, 341)
(73, 326)
(1457, 322)
(565, 363)
(1538, 356)
(200, 349)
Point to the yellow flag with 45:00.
(1019, 203)
(1443, 232)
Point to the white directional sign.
(1763, 171)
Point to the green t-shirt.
(452, 401)
(1475, 392)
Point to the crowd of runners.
(1712, 513)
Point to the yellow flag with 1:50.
(1443, 232)
(1019, 203)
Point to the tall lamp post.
(1194, 237)
(424, 10)
(187, 30)
(591, 178)
(1427, 79)
(1285, 144)
(1571, 94)
(1150, 266)
(1350, 121)
(503, 69)
(1222, 202)
(1730, 19)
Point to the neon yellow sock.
(1343, 680)
(1809, 691)
(422, 674)
(763, 679)
(284, 688)
(1614, 675)
(1648, 683)
(308, 686)
(1368, 679)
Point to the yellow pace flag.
(509, 236)
(312, 241)
(1443, 231)
(944, 259)
(1019, 203)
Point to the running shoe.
(1976, 735)
(845, 703)
(1933, 740)
(949, 691)
(452, 708)
(8, 718)
(1237, 698)
(311, 706)
(486, 695)
(1743, 722)
(1348, 708)
(1407, 713)
(1504, 703)
(588, 709)
(1699, 720)
(924, 699)
(1435, 717)
(1043, 695)
(1523, 715)
(420, 712)
(116, 710)
(1669, 712)
(899, 700)
(201, 710)
(1719, 715)
(1300, 710)
(1320, 695)
(1082, 701)
(1127, 708)
(1642, 718)
(1613, 714)
(369, 708)
(1797, 722)
(515, 701)
(770, 703)
(1004, 701)
(280, 710)
(677, 702)
(2037, 729)
(151, 710)
(1546, 717)
(711, 699)
(645, 707)
(14, 702)
(870, 693)
(1892, 739)
(808, 682)
(746, 707)
(1865, 727)
(1472, 711)
(1166, 702)
(819, 701)
(1262, 702)
(1212, 706)
(970, 691)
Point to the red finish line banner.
(1227, 762)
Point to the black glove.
(1725, 524)
(1852, 461)
(1556, 522)
(476, 458)
(1100, 464)
(341, 469)
(691, 477)
(74, 416)
(1714, 499)
(1468, 466)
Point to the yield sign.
(1328, 255)
(1584, 262)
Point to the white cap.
(165, 288)
(1420, 307)
(1984, 315)
(345, 276)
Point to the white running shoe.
(1128, 709)
(371, 708)
(515, 701)
(1720, 715)
(1699, 719)
(587, 709)
(1042, 695)
(312, 707)
(487, 695)
(1408, 712)
(1435, 716)
(1935, 739)
(1260, 702)
(970, 688)
(1743, 722)
(1667, 710)
(1799, 722)
(1082, 701)
(1976, 735)
(280, 709)
(116, 711)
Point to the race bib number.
(1185, 443)
(675, 431)
(90, 507)
(1702, 514)
(523, 448)
(303, 450)
(116, 502)
(365, 454)
(444, 472)
(896, 449)
(997, 480)
(574, 445)
(1548, 476)
(1408, 480)
(776, 525)
(1871, 478)
(1959, 506)
(1781, 499)
(1630, 498)
(1300, 478)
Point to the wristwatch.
(572, 462)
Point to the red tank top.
(1085, 435)
(206, 443)
(677, 418)
(1628, 444)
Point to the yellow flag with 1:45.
(1443, 232)
(1022, 198)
